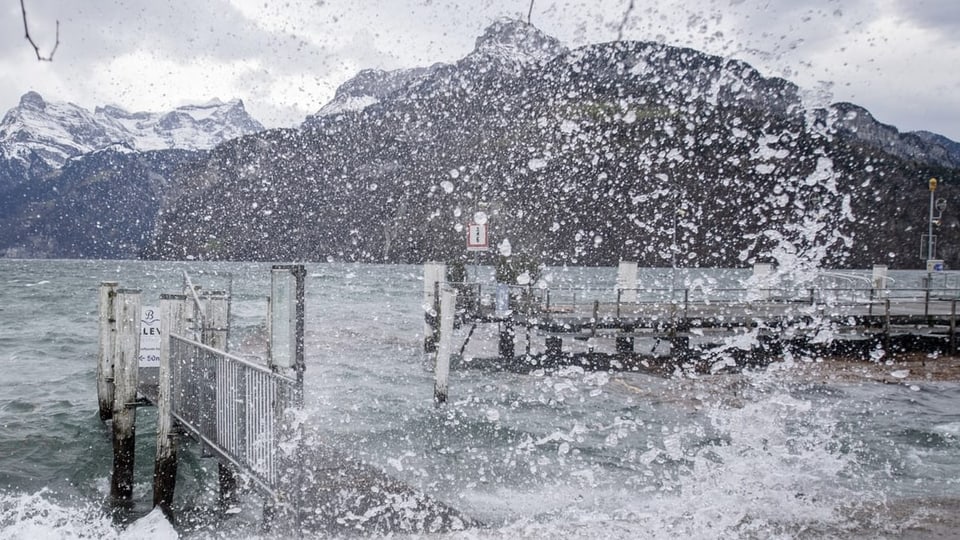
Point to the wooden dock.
(692, 328)
(245, 416)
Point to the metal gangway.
(236, 408)
(241, 412)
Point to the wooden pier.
(242, 414)
(690, 329)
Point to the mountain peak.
(518, 42)
(32, 100)
(57, 131)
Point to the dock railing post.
(441, 370)
(173, 320)
(125, 368)
(107, 343)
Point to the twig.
(26, 34)
(623, 23)
(530, 11)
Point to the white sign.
(149, 355)
(934, 265)
(477, 237)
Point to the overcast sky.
(897, 58)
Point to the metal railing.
(234, 407)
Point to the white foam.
(40, 516)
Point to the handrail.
(197, 304)
(227, 356)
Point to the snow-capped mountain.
(370, 86)
(580, 156)
(514, 44)
(506, 47)
(40, 134)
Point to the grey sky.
(897, 58)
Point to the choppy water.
(568, 454)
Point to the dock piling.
(173, 320)
(125, 368)
(626, 282)
(448, 302)
(107, 342)
(434, 274)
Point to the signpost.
(149, 355)
(477, 237)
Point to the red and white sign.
(477, 237)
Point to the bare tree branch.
(26, 34)
(530, 12)
(623, 23)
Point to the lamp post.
(678, 212)
(931, 247)
(931, 250)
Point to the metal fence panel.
(233, 405)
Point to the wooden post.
(125, 370)
(507, 339)
(626, 282)
(286, 322)
(886, 323)
(216, 325)
(596, 318)
(433, 274)
(215, 334)
(448, 302)
(953, 326)
(554, 354)
(173, 320)
(625, 344)
(107, 343)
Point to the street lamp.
(931, 250)
(933, 264)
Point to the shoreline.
(898, 368)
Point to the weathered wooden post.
(125, 371)
(173, 320)
(107, 342)
(434, 274)
(953, 327)
(286, 320)
(886, 323)
(762, 274)
(625, 342)
(507, 339)
(448, 303)
(554, 351)
(879, 280)
(215, 335)
(627, 282)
